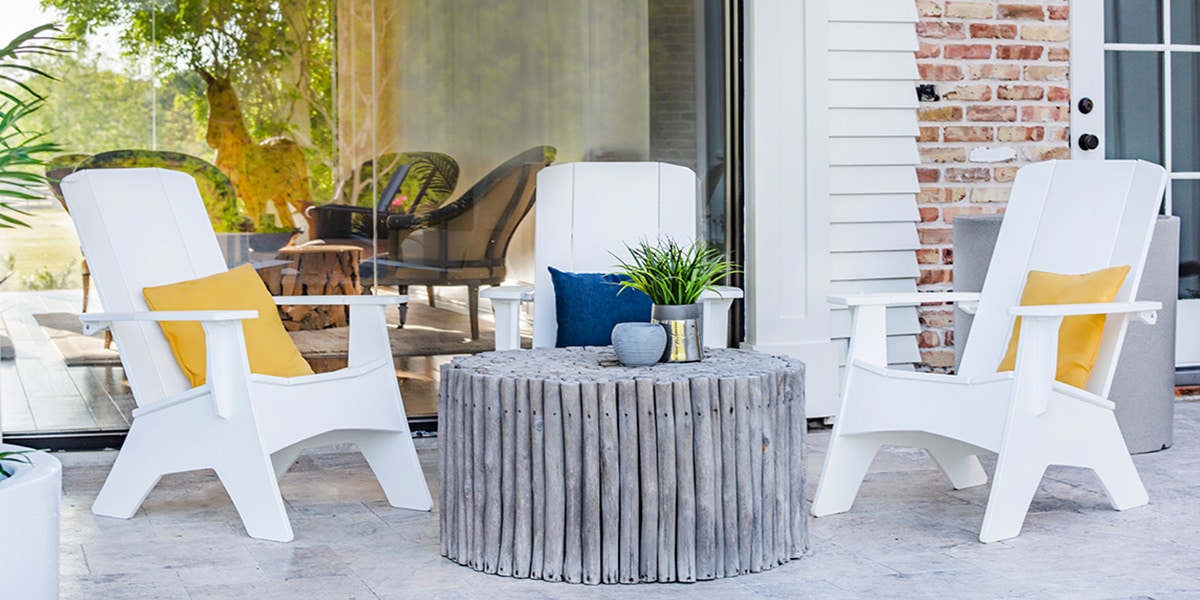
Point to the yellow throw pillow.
(269, 347)
(1079, 336)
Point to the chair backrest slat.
(1066, 217)
(141, 228)
(587, 212)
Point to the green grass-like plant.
(672, 273)
(13, 456)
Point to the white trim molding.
(787, 181)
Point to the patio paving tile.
(908, 536)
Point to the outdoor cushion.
(589, 305)
(1079, 336)
(269, 347)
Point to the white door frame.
(1087, 80)
(787, 208)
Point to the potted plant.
(674, 275)
(30, 491)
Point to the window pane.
(1185, 203)
(1185, 127)
(592, 80)
(1185, 22)
(1133, 21)
(1133, 118)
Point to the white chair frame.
(144, 227)
(586, 214)
(1064, 217)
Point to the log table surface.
(564, 465)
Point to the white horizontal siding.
(860, 237)
(846, 266)
(892, 37)
(901, 320)
(873, 122)
(873, 10)
(871, 65)
(872, 94)
(900, 349)
(873, 179)
(896, 285)
(872, 156)
(870, 208)
(872, 151)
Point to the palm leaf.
(22, 150)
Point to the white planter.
(29, 507)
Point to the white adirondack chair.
(1063, 217)
(586, 213)
(147, 227)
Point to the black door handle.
(1089, 141)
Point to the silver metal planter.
(682, 323)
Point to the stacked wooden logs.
(561, 465)
(323, 269)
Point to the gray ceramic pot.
(639, 344)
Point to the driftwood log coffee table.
(561, 464)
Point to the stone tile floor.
(908, 536)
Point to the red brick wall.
(1000, 71)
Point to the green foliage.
(21, 149)
(92, 109)
(10, 263)
(17, 456)
(431, 180)
(671, 273)
(45, 279)
(277, 54)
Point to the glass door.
(1135, 74)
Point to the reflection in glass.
(1186, 204)
(1133, 21)
(1185, 22)
(1185, 127)
(593, 79)
(1133, 96)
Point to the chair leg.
(957, 460)
(1114, 467)
(131, 478)
(87, 280)
(403, 289)
(393, 458)
(473, 309)
(846, 463)
(282, 460)
(250, 483)
(1018, 473)
(429, 294)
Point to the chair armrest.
(1037, 346)
(714, 314)
(905, 298)
(227, 367)
(506, 307)
(403, 221)
(365, 299)
(94, 323)
(519, 293)
(1143, 310)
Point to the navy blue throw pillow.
(588, 307)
